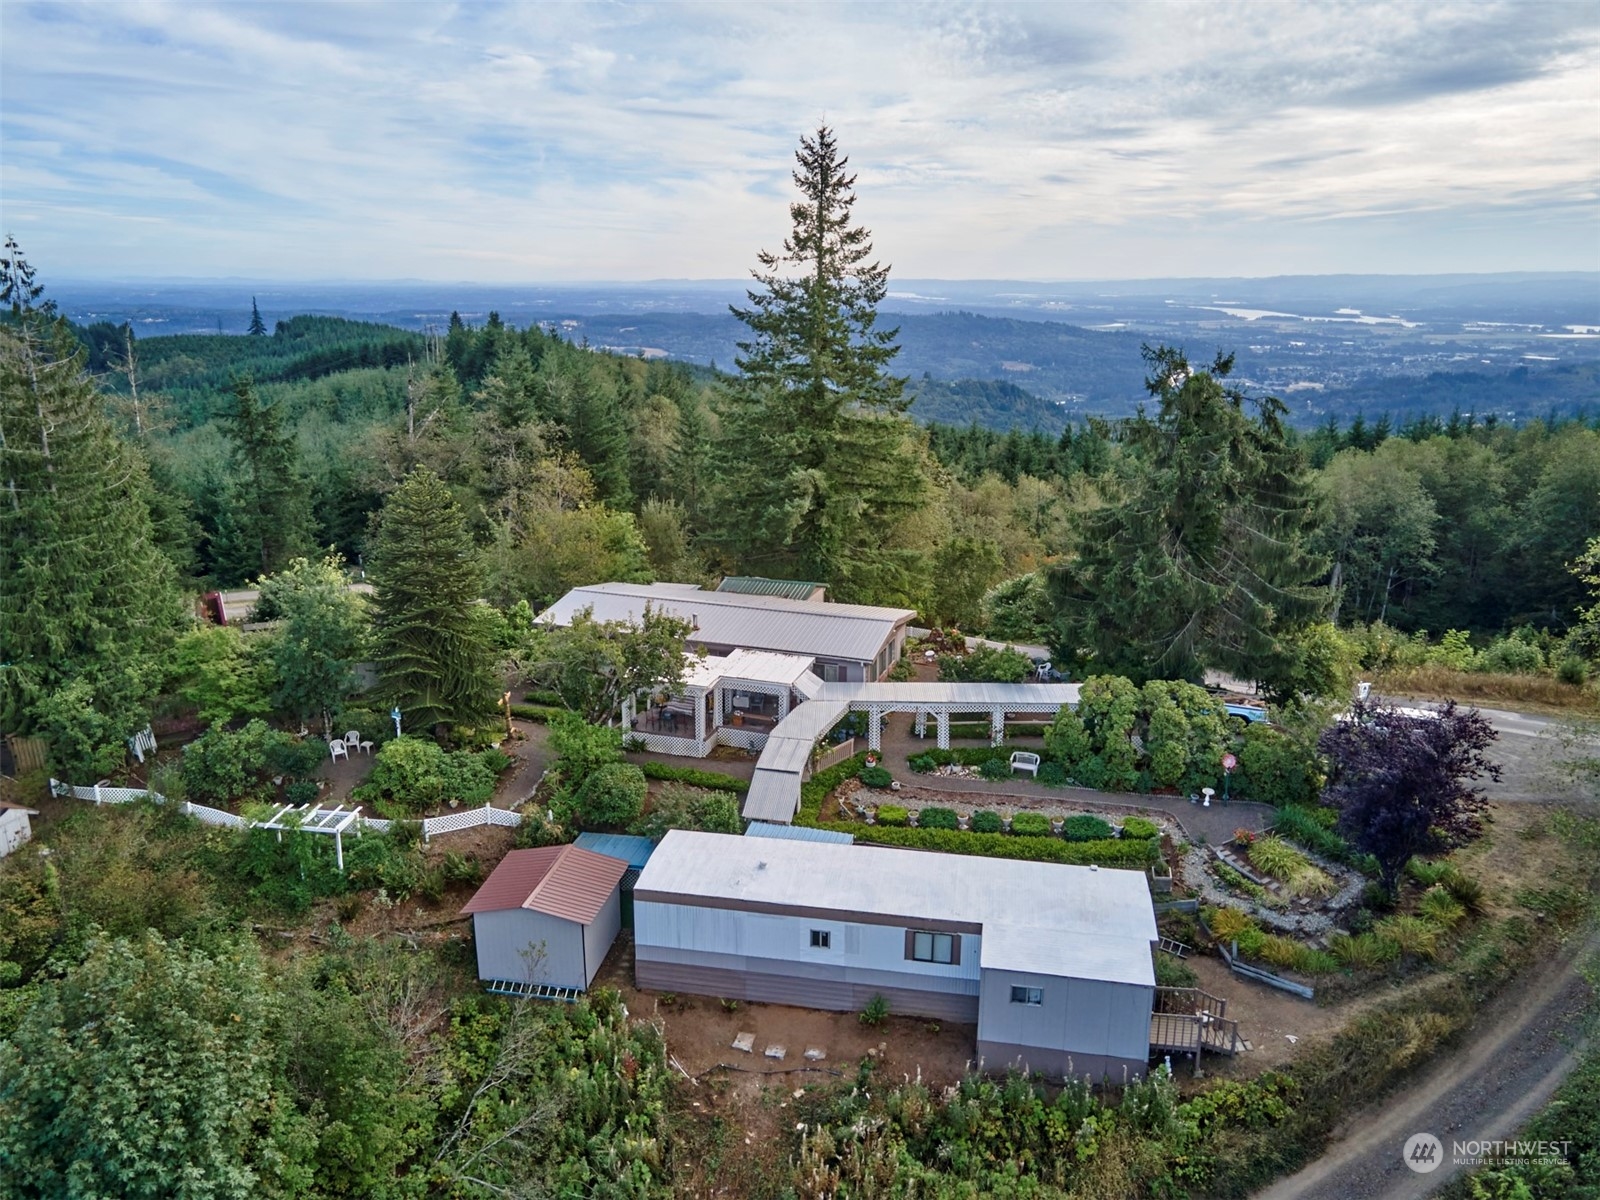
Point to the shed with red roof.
(547, 917)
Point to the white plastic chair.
(352, 738)
(338, 750)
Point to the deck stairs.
(1187, 1020)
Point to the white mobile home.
(1051, 962)
(547, 917)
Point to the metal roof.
(773, 796)
(855, 632)
(560, 881)
(757, 585)
(1009, 696)
(797, 833)
(1042, 918)
(635, 851)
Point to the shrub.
(373, 726)
(538, 713)
(1172, 971)
(876, 1011)
(223, 766)
(1136, 855)
(922, 764)
(412, 774)
(1572, 670)
(938, 818)
(1140, 827)
(876, 777)
(611, 797)
(1413, 935)
(1274, 856)
(1052, 774)
(986, 664)
(715, 781)
(1276, 769)
(1030, 824)
(1362, 951)
(1086, 828)
(1510, 656)
(893, 815)
(1427, 873)
(986, 821)
(1467, 891)
(301, 791)
(1305, 827)
(1440, 907)
(1227, 923)
(677, 806)
(995, 768)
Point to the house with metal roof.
(544, 919)
(847, 642)
(756, 585)
(1052, 963)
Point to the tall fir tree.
(271, 500)
(434, 652)
(88, 603)
(1202, 559)
(817, 459)
(258, 327)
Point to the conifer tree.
(271, 505)
(258, 327)
(86, 596)
(1202, 560)
(434, 652)
(817, 457)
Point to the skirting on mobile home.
(1051, 962)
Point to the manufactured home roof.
(1044, 918)
(560, 881)
(757, 585)
(848, 631)
(635, 851)
(797, 833)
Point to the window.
(819, 939)
(1027, 995)
(934, 948)
(830, 672)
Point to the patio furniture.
(1023, 760)
(366, 747)
(352, 738)
(338, 750)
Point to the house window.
(830, 672)
(819, 939)
(933, 947)
(1027, 995)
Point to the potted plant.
(1160, 878)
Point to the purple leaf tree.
(1402, 782)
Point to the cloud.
(592, 141)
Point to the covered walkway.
(785, 759)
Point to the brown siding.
(802, 992)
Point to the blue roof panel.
(797, 833)
(635, 851)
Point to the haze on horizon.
(547, 143)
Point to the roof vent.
(1094, 866)
(761, 866)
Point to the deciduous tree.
(320, 638)
(1402, 781)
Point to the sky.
(616, 141)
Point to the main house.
(1051, 962)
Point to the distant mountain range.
(1031, 355)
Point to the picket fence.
(456, 822)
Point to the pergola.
(309, 818)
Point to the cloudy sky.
(542, 142)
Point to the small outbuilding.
(545, 918)
(15, 828)
(635, 851)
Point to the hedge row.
(981, 729)
(715, 781)
(540, 713)
(1137, 853)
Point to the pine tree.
(271, 500)
(817, 458)
(86, 596)
(434, 653)
(258, 327)
(1202, 560)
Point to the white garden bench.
(1023, 760)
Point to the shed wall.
(557, 947)
(15, 829)
(600, 933)
(1081, 1025)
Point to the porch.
(736, 700)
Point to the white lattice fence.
(214, 816)
(470, 819)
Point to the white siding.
(600, 933)
(1079, 1016)
(529, 947)
(783, 939)
(14, 830)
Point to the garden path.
(1215, 824)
